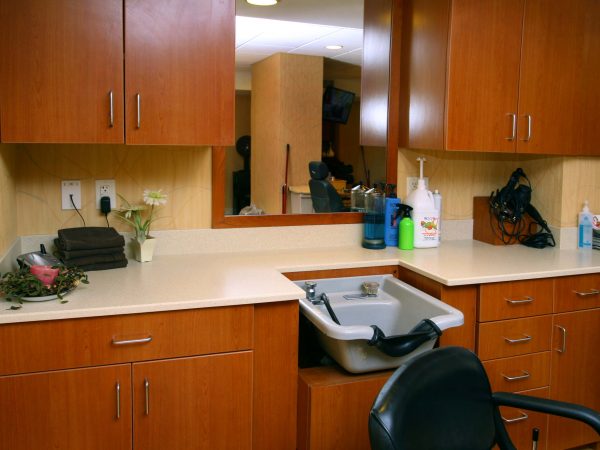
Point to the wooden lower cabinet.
(203, 402)
(575, 375)
(333, 408)
(67, 409)
(212, 378)
(520, 424)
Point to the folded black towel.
(94, 259)
(104, 266)
(89, 238)
(80, 253)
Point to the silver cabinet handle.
(147, 392)
(138, 101)
(526, 299)
(588, 293)
(527, 338)
(529, 124)
(513, 136)
(517, 377)
(111, 114)
(118, 389)
(563, 347)
(132, 341)
(521, 418)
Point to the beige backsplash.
(560, 184)
(184, 173)
(30, 178)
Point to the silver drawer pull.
(521, 418)
(132, 341)
(517, 377)
(525, 299)
(590, 292)
(514, 127)
(118, 389)
(527, 338)
(147, 396)
(563, 347)
(138, 102)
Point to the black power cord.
(75, 207)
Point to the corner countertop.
(177, 282)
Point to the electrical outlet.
(68, 188)
(412, 182)
(106, 188)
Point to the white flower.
(154, 198)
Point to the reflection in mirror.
(298, 104)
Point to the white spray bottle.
(424, 214)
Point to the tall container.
(425, 215)
(585, 231)
(374, 220)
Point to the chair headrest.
(318, 170)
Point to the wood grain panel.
(338, 273)
(327, 394)
(8, 205)
(70, 410)
(194, 403)
(577, 292)
(275, 376)
(424, 49)
(492, 337)
(560, 52)
(495, 298)
(180, 59)
(375, 81)
(483, 74)
(575, 375)
(464, 298)
(59, 344)
(520, 432)
(60, 60)
(537, 365)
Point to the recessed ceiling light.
(334, 47)
(263, 2)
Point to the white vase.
(144, 252)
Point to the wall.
(184, 173)
(560, 184)
(8, 206)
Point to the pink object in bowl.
(46, 274)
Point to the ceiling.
(299, 26)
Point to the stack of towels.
(91, 248)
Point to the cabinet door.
(67, 410)
(574, 375)
(483, 74)
(61, 60)
(559, 77)
(179, 71)
(195, 403)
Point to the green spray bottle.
(406, 228)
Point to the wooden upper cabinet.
(483, 74)
(520, 75)
(560, 70)
(61, 59)
(179, 71)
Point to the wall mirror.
(308, 75)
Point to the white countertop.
(207, 280)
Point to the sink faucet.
(310, 288)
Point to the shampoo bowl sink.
(376, 332)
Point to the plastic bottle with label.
(585, 231)
(424, 215)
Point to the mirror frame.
(392, 141)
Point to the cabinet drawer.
(61, 344)
(514, 337)
(519, 372)
(514, 299)
(578, 292)
(520, 423)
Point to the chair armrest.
(554, 407)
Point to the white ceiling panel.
(353, 57)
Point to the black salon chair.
(442, 400)
(325, 198)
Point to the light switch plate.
(68, 188)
